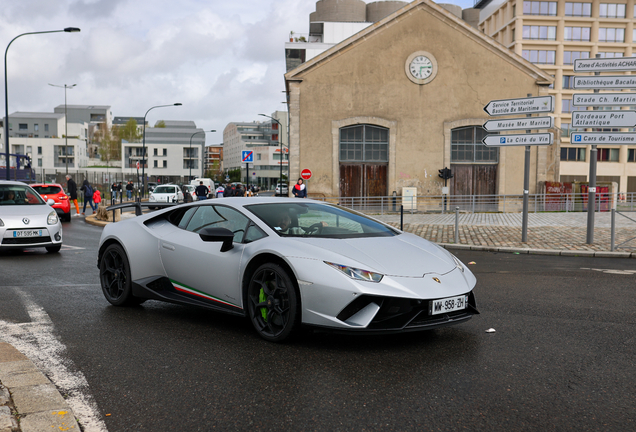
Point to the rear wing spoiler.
(138, 206)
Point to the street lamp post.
(190, 151)
(6, 91)
(65, 122)
(143, 152)
(280, 181)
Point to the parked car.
(166, 194)
(26, 220)
(282, 189)
(284, 264)
(56, 192)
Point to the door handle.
(167, 246)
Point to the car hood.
(14, 211)
(404, 255)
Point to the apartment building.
(265, 139)
(552, 34)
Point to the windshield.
(164, 189)
(19, 195)
(318, 220)
(47, 190)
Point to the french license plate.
(27, 233)
(449, 304)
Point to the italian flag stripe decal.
(189, 290)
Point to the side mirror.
(50, 201)
(218, 235)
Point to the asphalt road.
(562, 357)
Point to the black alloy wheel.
(114, 276)
(273, 303)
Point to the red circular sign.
(306, 174)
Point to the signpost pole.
(526, 187)
(591, 191)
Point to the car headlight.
(52, 219)
(356, 273)
(1, 223)
(152, 198)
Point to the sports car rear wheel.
(114, 275)
(273, 303)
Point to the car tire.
(273, 303)
(114, 277)
(67, 217)
(53, 249)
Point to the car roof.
(45, 184)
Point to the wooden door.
(363, 180)
(478, 180)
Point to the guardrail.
(613, 246)
(486, 203)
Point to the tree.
(160, 124)
(109, 143)
(234, 174)
(129, 131)
(215, 172)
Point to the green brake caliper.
(262, 298)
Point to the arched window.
(364, 143)
(466, 146)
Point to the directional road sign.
(608, 119)
(518, 140)
(247, 156)
(546, 122)
(529, 105)
(605, 65)
(625, 138)
(605, 82)
(603, 99)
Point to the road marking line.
(37, 341)
(71, 247)
(611, 271)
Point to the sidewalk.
(29, 402)
(548, 233)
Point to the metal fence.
(627, 244)
(486, 203)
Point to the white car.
(282, 189)
(26, 220)
(166, 194)
(285, 264)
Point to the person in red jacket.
(97, 197)
(300, 190)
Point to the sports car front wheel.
(273, 303)
(114, 276)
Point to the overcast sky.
(223, 60)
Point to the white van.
(207, 182)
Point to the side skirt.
(162, 289)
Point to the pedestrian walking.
(72, 191)
(97, 197)
(201, 191)
(88, 196)
(129, 189)
(113, 191)
(220, 191)
(300, 190)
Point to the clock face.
(421, 67)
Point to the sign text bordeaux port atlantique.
(528, 105)
(607, 119)
(519, 123)
(518, 140)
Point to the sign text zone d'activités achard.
(529, 105)
(605, 65)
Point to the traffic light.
(445, 174)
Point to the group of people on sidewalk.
(91, 197)
(117, 189)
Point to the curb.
(92, 220)
(33, 401)
(551, 252)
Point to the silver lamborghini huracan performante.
(285, 263)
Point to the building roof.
(86, 107)
(541, 76)
(37, 115)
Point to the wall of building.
(367, 83)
